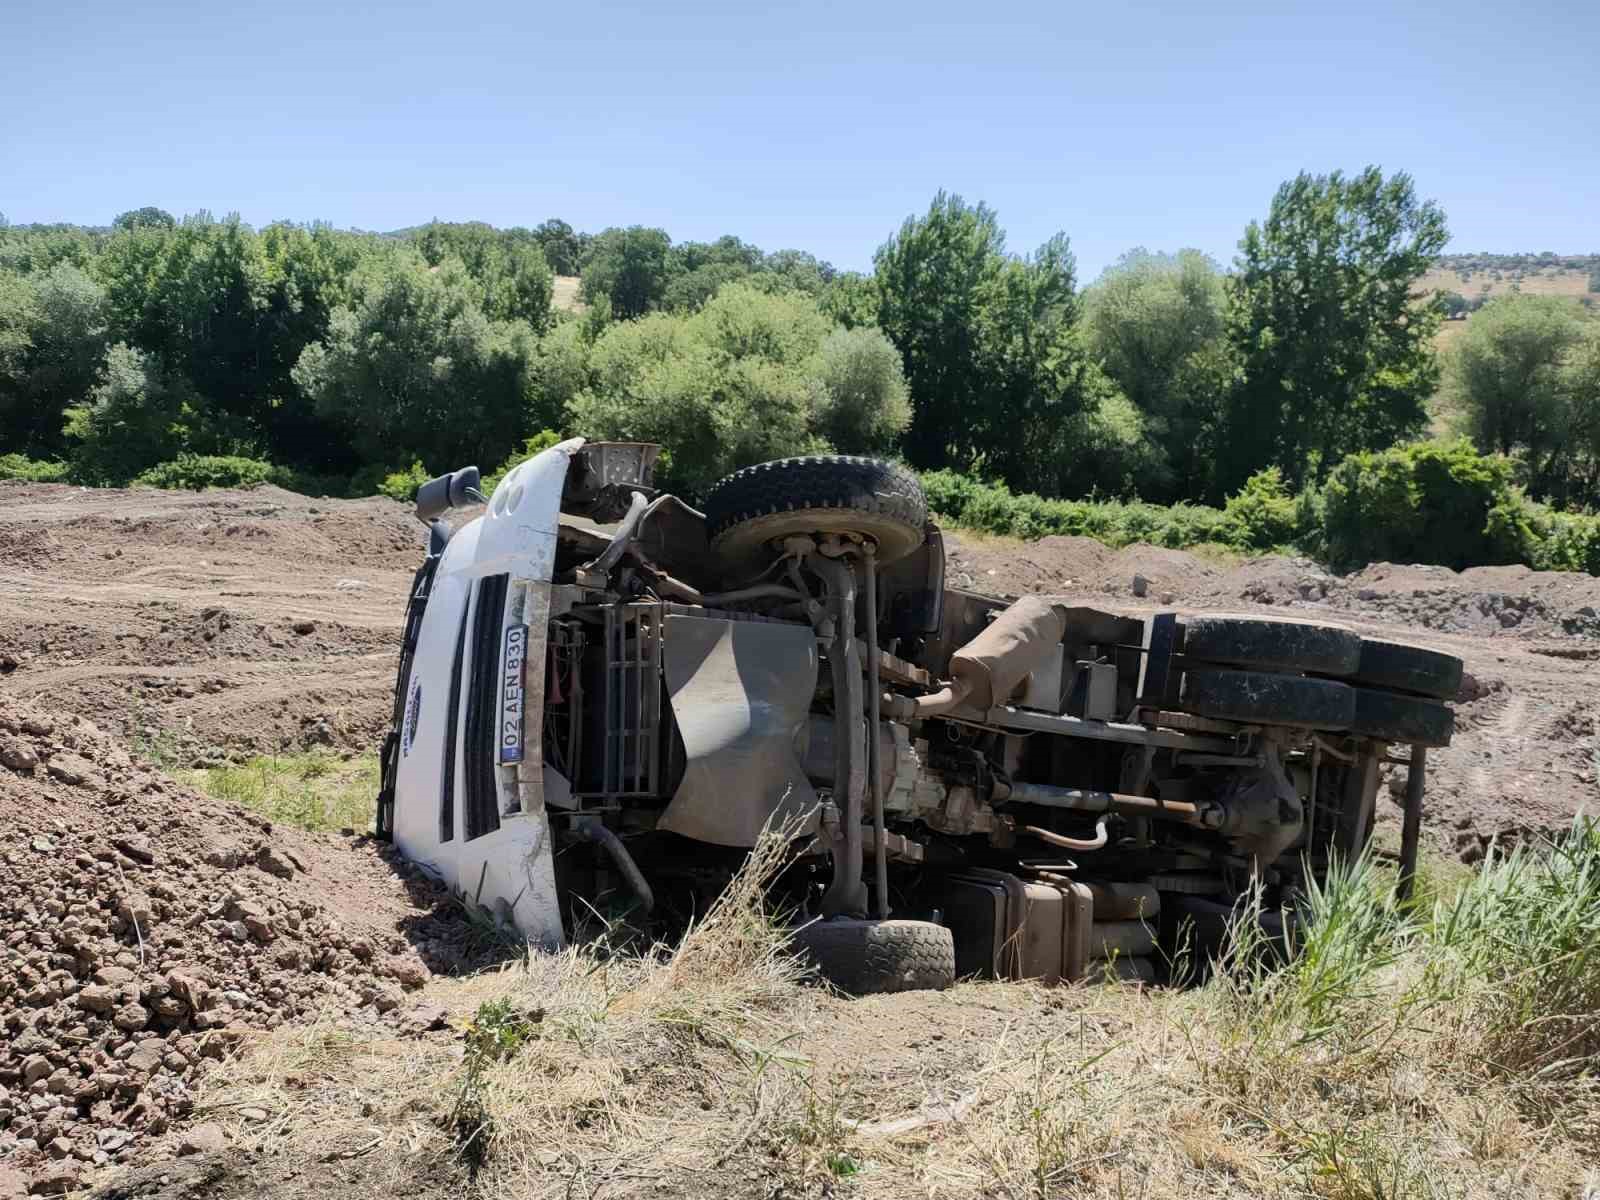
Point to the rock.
(1141, 585)
(188, 989)
(42, 845)
(17, 754)
(275, 863)
(132, 1017)
(425, 1017)
(147, 1055)
(137, 847)
(254, 1115)
(35, 1066)
(305, 627)
(59, 1147)
(70, 769)
(56, 1178)
(256, 922)
(113, 976)
(203, 1139)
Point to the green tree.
(1517, 380)
(560, 244)
(414, 369)
(1157, 323)
(148, 217)
(851, 299)
(139, 414)
(198, 297)
(738, 382)
(1335, 352)
(689, 291)
(995, 363)
(799, 271)
(52, 340)
(863, 404)
(630, 268)
(507, 265)
(934, 278)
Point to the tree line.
(342, 357)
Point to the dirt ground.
(190, 628)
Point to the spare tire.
(1403, 668)
(1272, 645)
(1408, 719)
(1261, 698)
(868, 957)
(833, 493)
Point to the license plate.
(511, 693)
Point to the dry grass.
(564, 293)
(1547, 282)
(1383, 1063)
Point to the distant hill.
(1488, 275)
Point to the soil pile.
(145, 930)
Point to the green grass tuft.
(315, 790)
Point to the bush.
(1431, 502)
(1263, 512)
(538, 443)
(1564, 541)
(994, 508)
(196, 472)
(403, 485)
(32, 470)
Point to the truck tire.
(1408, 719)
(1259, 698)
(1402, 668)
(1272, 645)
(830, 493)
(865, 958)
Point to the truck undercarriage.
(606, 697)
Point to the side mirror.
(439, 495)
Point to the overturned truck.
(606, 696)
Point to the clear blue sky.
(818, 125)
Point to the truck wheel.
(1272, 645)
(1408, 719)
(868, 957)
(834, 493)
(1403, 668)
(1259, 698)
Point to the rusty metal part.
(845, 894)
(880, 853)
(1028, 720)
(1097, 842)
(1411, 830)
(898, 670)
(1086, 800)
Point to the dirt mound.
(206, 623)
(148, 929)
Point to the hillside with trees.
(202, 350)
